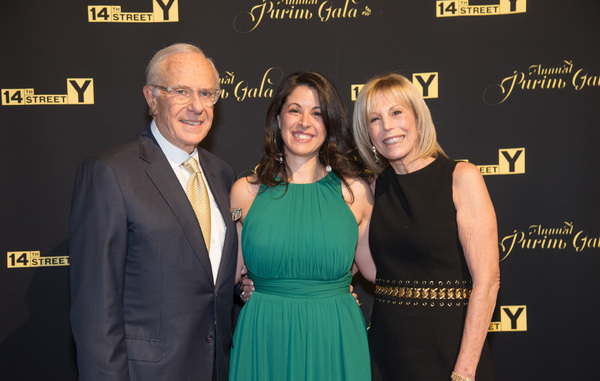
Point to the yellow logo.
(23, 259)
(162, 11)
(426, 83)
(80, 91)
(512, 319)
(355, 90)
(454, 8)
(511, 161)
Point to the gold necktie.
(198, 196)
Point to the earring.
(280, 158)
(323, 155)
(375, 154)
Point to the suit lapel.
(160, 172)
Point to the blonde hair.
(398, 88)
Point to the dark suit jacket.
(144, 305)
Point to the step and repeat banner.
(513, 86)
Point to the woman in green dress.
(304, 222)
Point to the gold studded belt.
(423, 290)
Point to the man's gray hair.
(153, 70)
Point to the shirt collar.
(175, 155)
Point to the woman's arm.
(478, 234)
(241, 196)
(362, 207)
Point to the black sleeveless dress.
(423, 281)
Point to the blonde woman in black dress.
(433, 237)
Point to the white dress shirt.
(176, 157)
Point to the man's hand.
(246, 285)
(354, 294)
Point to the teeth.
(393, 140)
(302, 136)
(192, 123)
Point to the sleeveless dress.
(423, 281)
(301, 323)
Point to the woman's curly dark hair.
(338, 149)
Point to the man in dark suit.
(151, 291)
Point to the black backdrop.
(513, 86)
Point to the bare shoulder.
(465, 170)
(358, 195)
(467, 175)
(247, 184)
(469, 187)
(373, 185)
(360, 188)
(244, 190)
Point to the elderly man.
(152, 242)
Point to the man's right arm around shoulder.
(98, 252)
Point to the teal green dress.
(301, 323)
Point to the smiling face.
(183, 125)
(301, 123)
(393, 130)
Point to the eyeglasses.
(183, 95)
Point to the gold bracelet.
(457, 377)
